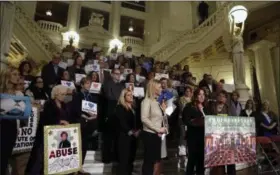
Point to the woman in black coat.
(193, 116)
(128, 128)
(55, 113)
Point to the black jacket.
(190, 114)
(64, 144)
(49, 76)
(127, 119)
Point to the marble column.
(115, 19)
(73, 20)
(6, 24)
(275, 64)
(265, 74)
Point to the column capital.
(262, 44)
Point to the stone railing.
(132, 41)
(49, 26)
(191, 36)
(34, 31)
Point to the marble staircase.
(94, 165)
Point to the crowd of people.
(124, 119)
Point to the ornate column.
(115, 18)
(265, 74)
(275, 64)
(73, 20)
(6, 24)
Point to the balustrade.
(191, 35)
(49, 26)
(132, 41)
(36, 32)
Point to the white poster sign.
(89, 107)
(62, 149)
(95, 88)
(26, 134)
(68, 84)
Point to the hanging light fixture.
(130, 28)
(49, 13)
(239, 13)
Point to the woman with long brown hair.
(193, 116)
(9, 80)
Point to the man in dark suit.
(64, 143)
(111, 91)
(51, 73)
(208, 83)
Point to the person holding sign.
(87, 119)
(220, 108)
(9, 127)
(55, 113)
(193, 116)
(152, 117)
(128, 129)
(111, 91)
(77, 67)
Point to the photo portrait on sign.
(64, 143)
(14, 107)
(62, 149)
(26, 134)
(229, 140)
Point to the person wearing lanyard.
(84, 118)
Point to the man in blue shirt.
(165, 93)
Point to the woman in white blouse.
(250, 109)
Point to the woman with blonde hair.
(154, 126)
(267, 121)
(9, 80)
(54, 113)
(128, 131)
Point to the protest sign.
(229, 140)
(26, 134)
(68, 84)
(62, 149)
(89, 68)
(70, 62)
(15, 107)
(63, 65)
(78, 78)
(89, 107)
(95, 88)
(26, 84)
(127, 71)
(158, 76)
(138, 92)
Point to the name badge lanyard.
(86, 97)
